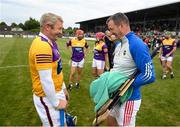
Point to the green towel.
(102, 88)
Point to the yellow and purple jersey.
(99, 53)
(43, 56)
(167, 46)
(77, 48)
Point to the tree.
(3, 24)
(31, 24)
(13, 25)
(69, 31)
(21, 25)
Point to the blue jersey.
(130, 55)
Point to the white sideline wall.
(33, 36)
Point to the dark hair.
(118, 18)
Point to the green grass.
(160, 100)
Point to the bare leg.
(100, 71)
(71, 77)
(94, 72)
(164, 69)
(169, 66)
(79, 70)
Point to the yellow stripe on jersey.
(40, 58)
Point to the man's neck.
(46, 36)
(127, 30)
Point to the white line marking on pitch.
(15, 66)
(19, 66)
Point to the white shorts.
(125, 114)
(170, 58)
(47, 113)
(78, 64)
(99, 64)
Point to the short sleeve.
(104, 47)
(43, 57)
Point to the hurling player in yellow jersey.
(46, 71)
(100, 60)
(167, 54)
(78, 44)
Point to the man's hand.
(62, 104)
(106, 68)
(66, 94)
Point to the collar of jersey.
(45, 37)
(117, 43)
(129, 34)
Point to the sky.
(71, 11)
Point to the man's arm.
(142, 59)
(173, 50)
(68, 44)
(49, 89)
(106, 57)
(65, 91)
(86, 49)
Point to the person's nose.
(60, 31)
(60, 34)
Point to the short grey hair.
(118, 19)
(49, 18)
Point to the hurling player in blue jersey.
(131, 54)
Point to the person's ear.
(46, 27)
(120, 26)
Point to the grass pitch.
(160, 100)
